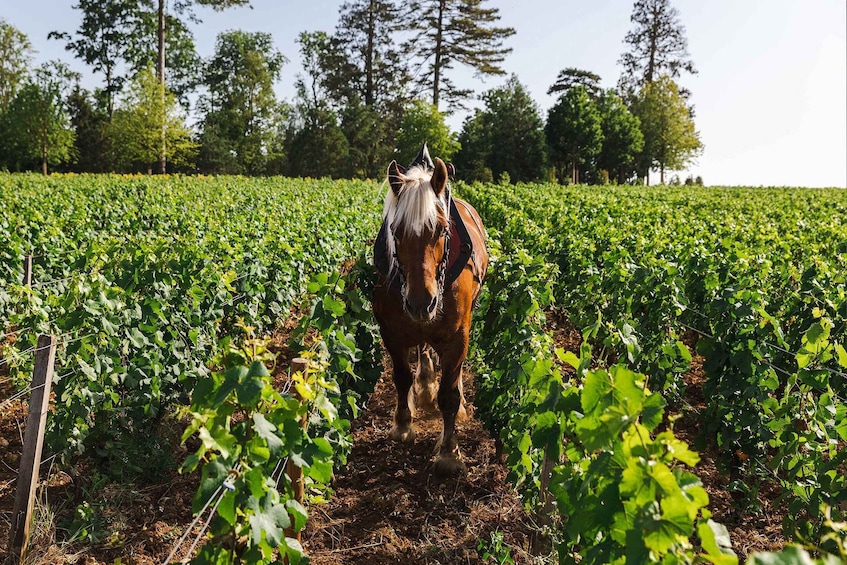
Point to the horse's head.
(417, 215)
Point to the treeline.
(368, 92)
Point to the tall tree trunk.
(574, 172)
(436, 78)
(369, 57)
(44, 158)
(662, 174)
(160, 72)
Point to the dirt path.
(388, 508)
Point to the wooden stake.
(295, 473)
(27, 271)
(39, 402)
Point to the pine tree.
(658, 46)
(571, 77)
(456, 31)
(373, 69)
(367, 79)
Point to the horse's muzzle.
(423, 308)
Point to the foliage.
(91, 142)
(506, 136)
(658, 46)
(347, 339)
(770, 320)
(370, 138)
(240, 113)
(15, 56)
(455, 31)
(574, 132)
(104, 40)
(423, 122)
(37, 120)
(371, 67)
(572, 77)
(620, 489)
(182, 63)
(622, 138)
(139, 122)
(670, 140)
(152, 274)
(244, 426)
(318, 147)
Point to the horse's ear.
(395, 177)
(439, 177)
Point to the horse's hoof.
(465, 412)
(402, 434)
(448, 466)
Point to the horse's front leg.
(402, 429)
(447, 460)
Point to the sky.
(770, 95)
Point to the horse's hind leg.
(426, 380)
(402, 429)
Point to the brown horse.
(432, 260)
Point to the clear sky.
(770, 96)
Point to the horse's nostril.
(407, 304)
(432, 304)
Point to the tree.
(241, 115)
(318, 148)
(574, 133)
(138, 122)
(367, 80)
(315, 144)
(571, 77)
(103, 40)
(670, 139)
(507, 137)
(657, 44)
(622, 138)
(423, 122)
(15, 56)
(91, 144)
(456, 31)
(37, 120)
(161, 34)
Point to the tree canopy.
(368, 91)
(241, 114)
(455, 31)
(506, 137)
(574, 131)
(670, 138)
(657, 46)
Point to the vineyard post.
(27, 271)
(295, 473)
(39, 402)
(539, 541)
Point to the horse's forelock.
(416, 206)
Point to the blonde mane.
(413, 209)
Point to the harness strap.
(458, 250)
